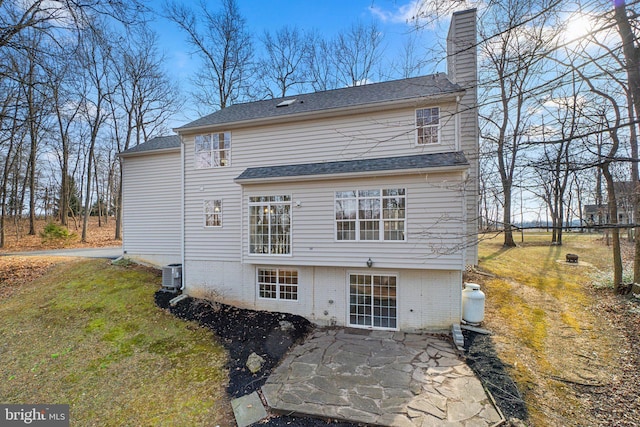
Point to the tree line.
(560, 102)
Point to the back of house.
(352, 207)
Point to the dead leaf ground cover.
(89, 334)
(568, 341)
(17, 238)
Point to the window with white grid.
(363, 215)
(213, 150)
(428, 125)
(213, 213)
(278, 283)
(372, 300)
(270, 225)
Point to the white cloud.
(421, 12)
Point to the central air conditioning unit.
(172, 278)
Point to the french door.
(372, 301)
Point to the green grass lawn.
(547, 330)
(88, 334)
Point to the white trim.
(370, 272)
(290, 213)
(278, 284)
(182, 214)
(439, 127)
(212, 150)
(204, 212)
(381, 220)
(148, 152)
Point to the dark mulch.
(485, 363)
(270, 335)
(242, 332)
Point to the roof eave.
(146, 152)
(351, 175)
(331, 112)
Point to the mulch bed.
(242, 332)
(485, 363)
(270, 335)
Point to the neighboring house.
(599, 214)
(355, 207)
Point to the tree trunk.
(615, 231)
(632, 62)
(508, 229)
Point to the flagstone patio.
(380, 378)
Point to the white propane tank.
(472, 303)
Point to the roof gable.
(356, 96)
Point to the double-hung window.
(278, 283)
(270, 225)
(370, 214)
(428, 125)
(213, 213)
(213, 150)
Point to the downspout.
(182, 214)
(457, 124)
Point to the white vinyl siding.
(373, 135)
(434, 216)
(151, 221)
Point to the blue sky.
(328, 17)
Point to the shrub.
(54, 233)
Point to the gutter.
(147, 152)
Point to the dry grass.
(547, 329)
(17, 238)
(88, 334)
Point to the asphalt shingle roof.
(396, 90)
(421, 161)
(157, 143)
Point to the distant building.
(598, 215)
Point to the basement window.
(278, 284)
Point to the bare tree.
(95, 54)
(515, 57)
(223, 44)
(284, 66)
(143, 100)
(356, 53)
(554, 164)
(631, 53)
(320, 65)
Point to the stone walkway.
(380, 378)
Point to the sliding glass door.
(372, 301)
